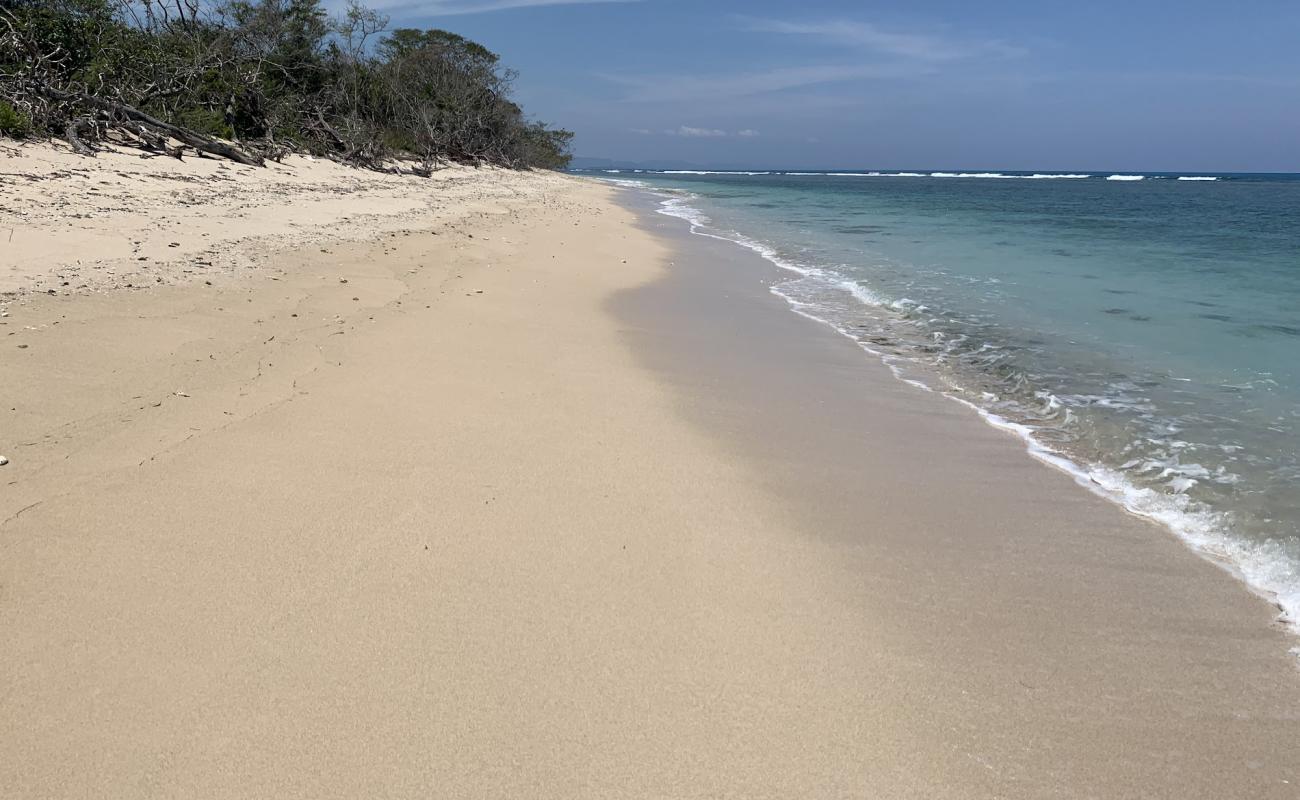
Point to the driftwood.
(73, 134)
(149, 139)
(155, 144)
(198, 141)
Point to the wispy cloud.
(901, 44)
(870, 53)
(696, 133)
(444, 8)
(691, 132)
(667, 88)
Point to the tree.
(247, 79)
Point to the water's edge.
(1098, 479)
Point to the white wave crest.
(628, 184)
(682, 209)
(709, 172)
(1005, 176)
(875, 174)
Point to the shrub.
(14, 123)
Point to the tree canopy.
(253, 79)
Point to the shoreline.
(504, 506)
(1200, 530)
(1113, 570)
(1032, 448)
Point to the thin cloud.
(916, 46)
(692, 132)
(680, 88)
(446, 8)
(697, 133)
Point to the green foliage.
(205, 120)
(403, 42)
(399, 142)
(14, 123)
(269, 74)
(547, 148)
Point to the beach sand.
(130, 220)
(522, 492)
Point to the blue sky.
(1136, 85)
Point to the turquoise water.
(1144, 334)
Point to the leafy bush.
(14, 123)
(205, 120)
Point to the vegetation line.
(250, 80)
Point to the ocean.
(1141, 331)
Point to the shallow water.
(1143, 333)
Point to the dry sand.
(504, 506)
(126, 219)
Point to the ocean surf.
(1135, 330)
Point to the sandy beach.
(497, 484)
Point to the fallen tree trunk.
(196, 140)
(150, 140)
